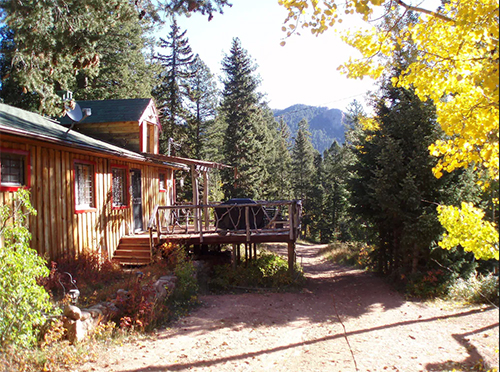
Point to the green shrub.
(185, 294)
(22, 301)
(269, 270)
(476, 290)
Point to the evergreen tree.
(303, 155)
(337, 220)
(172, 91)
(52, 43)
(394, 186)
(283, 165)
(124, 69)
(314, 220)
(245, 129)
(202, 105)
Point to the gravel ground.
(343, 320)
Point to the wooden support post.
(246, 253)
(234, 258)
(196, 200)
(290, 220)
(255, 250)
(247, 222)
(205, 199)
(291, 257)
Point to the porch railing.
(263, 217)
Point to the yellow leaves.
(466, 227)
(369, 124)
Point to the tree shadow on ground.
(473, 358)
(331, 292)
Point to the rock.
(164, 286)
(85, 315)
(72, 312)
(122, 294)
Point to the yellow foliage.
(457, 66)
(466, 227)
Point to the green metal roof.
(112, 110)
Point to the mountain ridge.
(326, 125)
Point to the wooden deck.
(219, 223)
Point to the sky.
(303, 71)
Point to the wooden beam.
(291, 257)
(196, 200)
(205, 199)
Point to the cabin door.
(135, 175)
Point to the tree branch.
(425, 11)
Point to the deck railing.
(263, 217)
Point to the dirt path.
(305, 331)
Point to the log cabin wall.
(58, 230)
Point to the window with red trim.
(84, 186)
(119, 186)
(162, 180)
(14, 169)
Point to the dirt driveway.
(343, 320)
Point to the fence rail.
(263, 217)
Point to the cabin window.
(162, 178)
(119, 174)
(14, 169)
(84, 186)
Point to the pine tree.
(52, 43)
(394, 186)
(172, 91)
(125, 71)
(202, 105)
(303, 155)
(283, 165)
(244, 125)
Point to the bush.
(269, 270)
(22, 300)
(478, 289)
(352, 254)
(185, 294)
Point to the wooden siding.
(125, 134)
(57, 230)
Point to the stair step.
(128, 262)
(142, 248)
(133, 250)
(130, 255)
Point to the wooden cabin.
(89, 193)
(100, 184)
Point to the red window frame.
(126, 186)
(164, 173)
(79, 208)
(27, 169)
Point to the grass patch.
(268, 271)
(478, 289)
(351, 254)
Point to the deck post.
(205, 199)
(234, 257)
(196, 199)
(247, 222)
(291, 256)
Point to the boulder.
(164, 286)
(72, 312)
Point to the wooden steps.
(133, 250)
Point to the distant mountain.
(325, 124)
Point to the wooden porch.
(233, 223)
